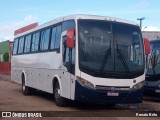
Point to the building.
(151, 35)
(5, 48)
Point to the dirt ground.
(12, 99)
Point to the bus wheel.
(60, 101)
(25, 90)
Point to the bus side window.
(27, 45)
(45, 35)
(35, 42)
(68, 24)
(15, 46)
(21, 45)
(58, 37)
(53, 37)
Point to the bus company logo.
(134, 81)
(112, 88)
(6, 114)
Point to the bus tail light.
(70, 38)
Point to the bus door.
(68, 68)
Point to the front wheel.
(60, 101)
(25, 90)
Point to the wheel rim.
(57, 94)
(23, 87)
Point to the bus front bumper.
(84, 94)
(152, 91)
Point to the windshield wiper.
(105, 59)
(123, 59)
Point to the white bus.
(86, 58)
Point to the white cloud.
(30, 18)
(7, 28)
(151, 28)
(140, 5)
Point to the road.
(12, 99)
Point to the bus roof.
(76, 16)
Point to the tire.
(25, 90)
(60, 101)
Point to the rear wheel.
(60, 101)
(25, 90)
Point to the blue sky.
(15, 14)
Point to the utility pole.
(144, 28)
(140, 19)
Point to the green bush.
(6, 57)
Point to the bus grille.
(112, 88)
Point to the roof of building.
(151, 35)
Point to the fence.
(5, 68)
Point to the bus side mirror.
(70, 38)
(147, 46)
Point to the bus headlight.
(138, 85)
(85, 83)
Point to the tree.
(6, 57)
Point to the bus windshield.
(154, 59)
(110, 48)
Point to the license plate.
(112, 94)
(157, 91)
